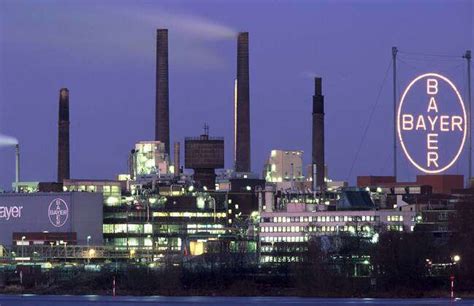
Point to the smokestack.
(176, 160)
(63, 135)
(318, 133)
(162, 120)
(17, 167)
(242, 107)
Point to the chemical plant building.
(162, 209)
(42, 218)
(284, 233)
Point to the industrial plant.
(166, 210)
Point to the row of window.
(190, 214)
(162, 243)
(106, 189)
(300, 229)
(284, 239)
(269, 259)
(162, 228)
(127, 228)
(398, 228)
(285, 219)
(395, 218)
(287, 249)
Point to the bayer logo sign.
(432, 123)
(58, 212)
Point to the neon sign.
(436, 118)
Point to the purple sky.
(104, 52)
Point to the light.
(399, 129)
(191, 188)
(152, 200)
(248, 188)
(91, 252)
(23, 238)
(111, 201)
(375, 238)
(456, 258)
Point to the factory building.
(284, 234)
(284, 166)
(150, 158)
(67, 216)
(204, 155)
(181, 225)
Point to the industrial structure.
(318, 135)
(63, 135)
(242, 105)
(204, 155)
(159, 210)
(162, 116)
(284, 165)
(45, 217)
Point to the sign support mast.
(394, 58)
(467, 56)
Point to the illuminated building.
(111, 190)
(284, 234)
(43, 217)
(177, 224)
(284, 165)
(150, 158)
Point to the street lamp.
(89, 250)
(456, 258)
(23, 246)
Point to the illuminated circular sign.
(432, 113)
(58, 212)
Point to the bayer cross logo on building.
(58, 212)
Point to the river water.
(32, 300)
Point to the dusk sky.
(104, 52)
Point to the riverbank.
(234, 291)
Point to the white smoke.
(187, 25)
(7, 141)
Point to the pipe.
(17, 167)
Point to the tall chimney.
(242, 107)
(176, 159)
(318, 133)
(162, 120)
(17, 167)
(63, 135)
